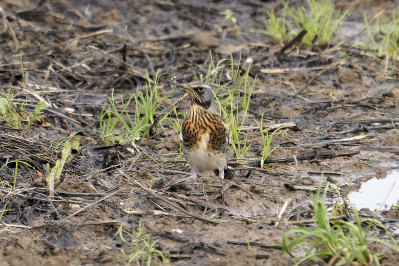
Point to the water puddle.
(373, 193)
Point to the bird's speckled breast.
(201, 126)
(205, 142)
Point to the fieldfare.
(204, 133)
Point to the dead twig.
(153, 212)
(64, 43)
(287, 70)
(294, 42)
(173, 205)
(117, 222)
(306, 188)
(339, 217)
(254, 244)
(307, 156)
(272, 127)
(130, 70)
(335, 141)
(332, 65)
(16, 225)
(280, 214)
(88, 206)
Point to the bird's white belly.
(205, 161)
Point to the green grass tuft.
(276, 27)
(339, 243)
(138, 249)
(13, 112)
(384, 43)
(266, 141)
(319, 19)
(117, 125)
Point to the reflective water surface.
(374, 192)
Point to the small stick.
(286, 70)
(296, 167)
(335, 141)
(16, 225)
(280, 214)
(339, 217)
(294, 42)
(88, 206)
(153, 212)
(176, 207)
(339, 62)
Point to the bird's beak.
(188, 90)
(186, 87)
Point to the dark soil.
(76, 52)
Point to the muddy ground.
(73, 56)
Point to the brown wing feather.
(218, 133)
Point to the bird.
(204, 134)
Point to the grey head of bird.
(201, 94)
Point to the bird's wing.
(218, 133)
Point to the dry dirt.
(73, 57)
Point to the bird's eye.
(200, 89)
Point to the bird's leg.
(221, 175)
(203, 189)
(194, 173)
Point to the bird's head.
(201, 94)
